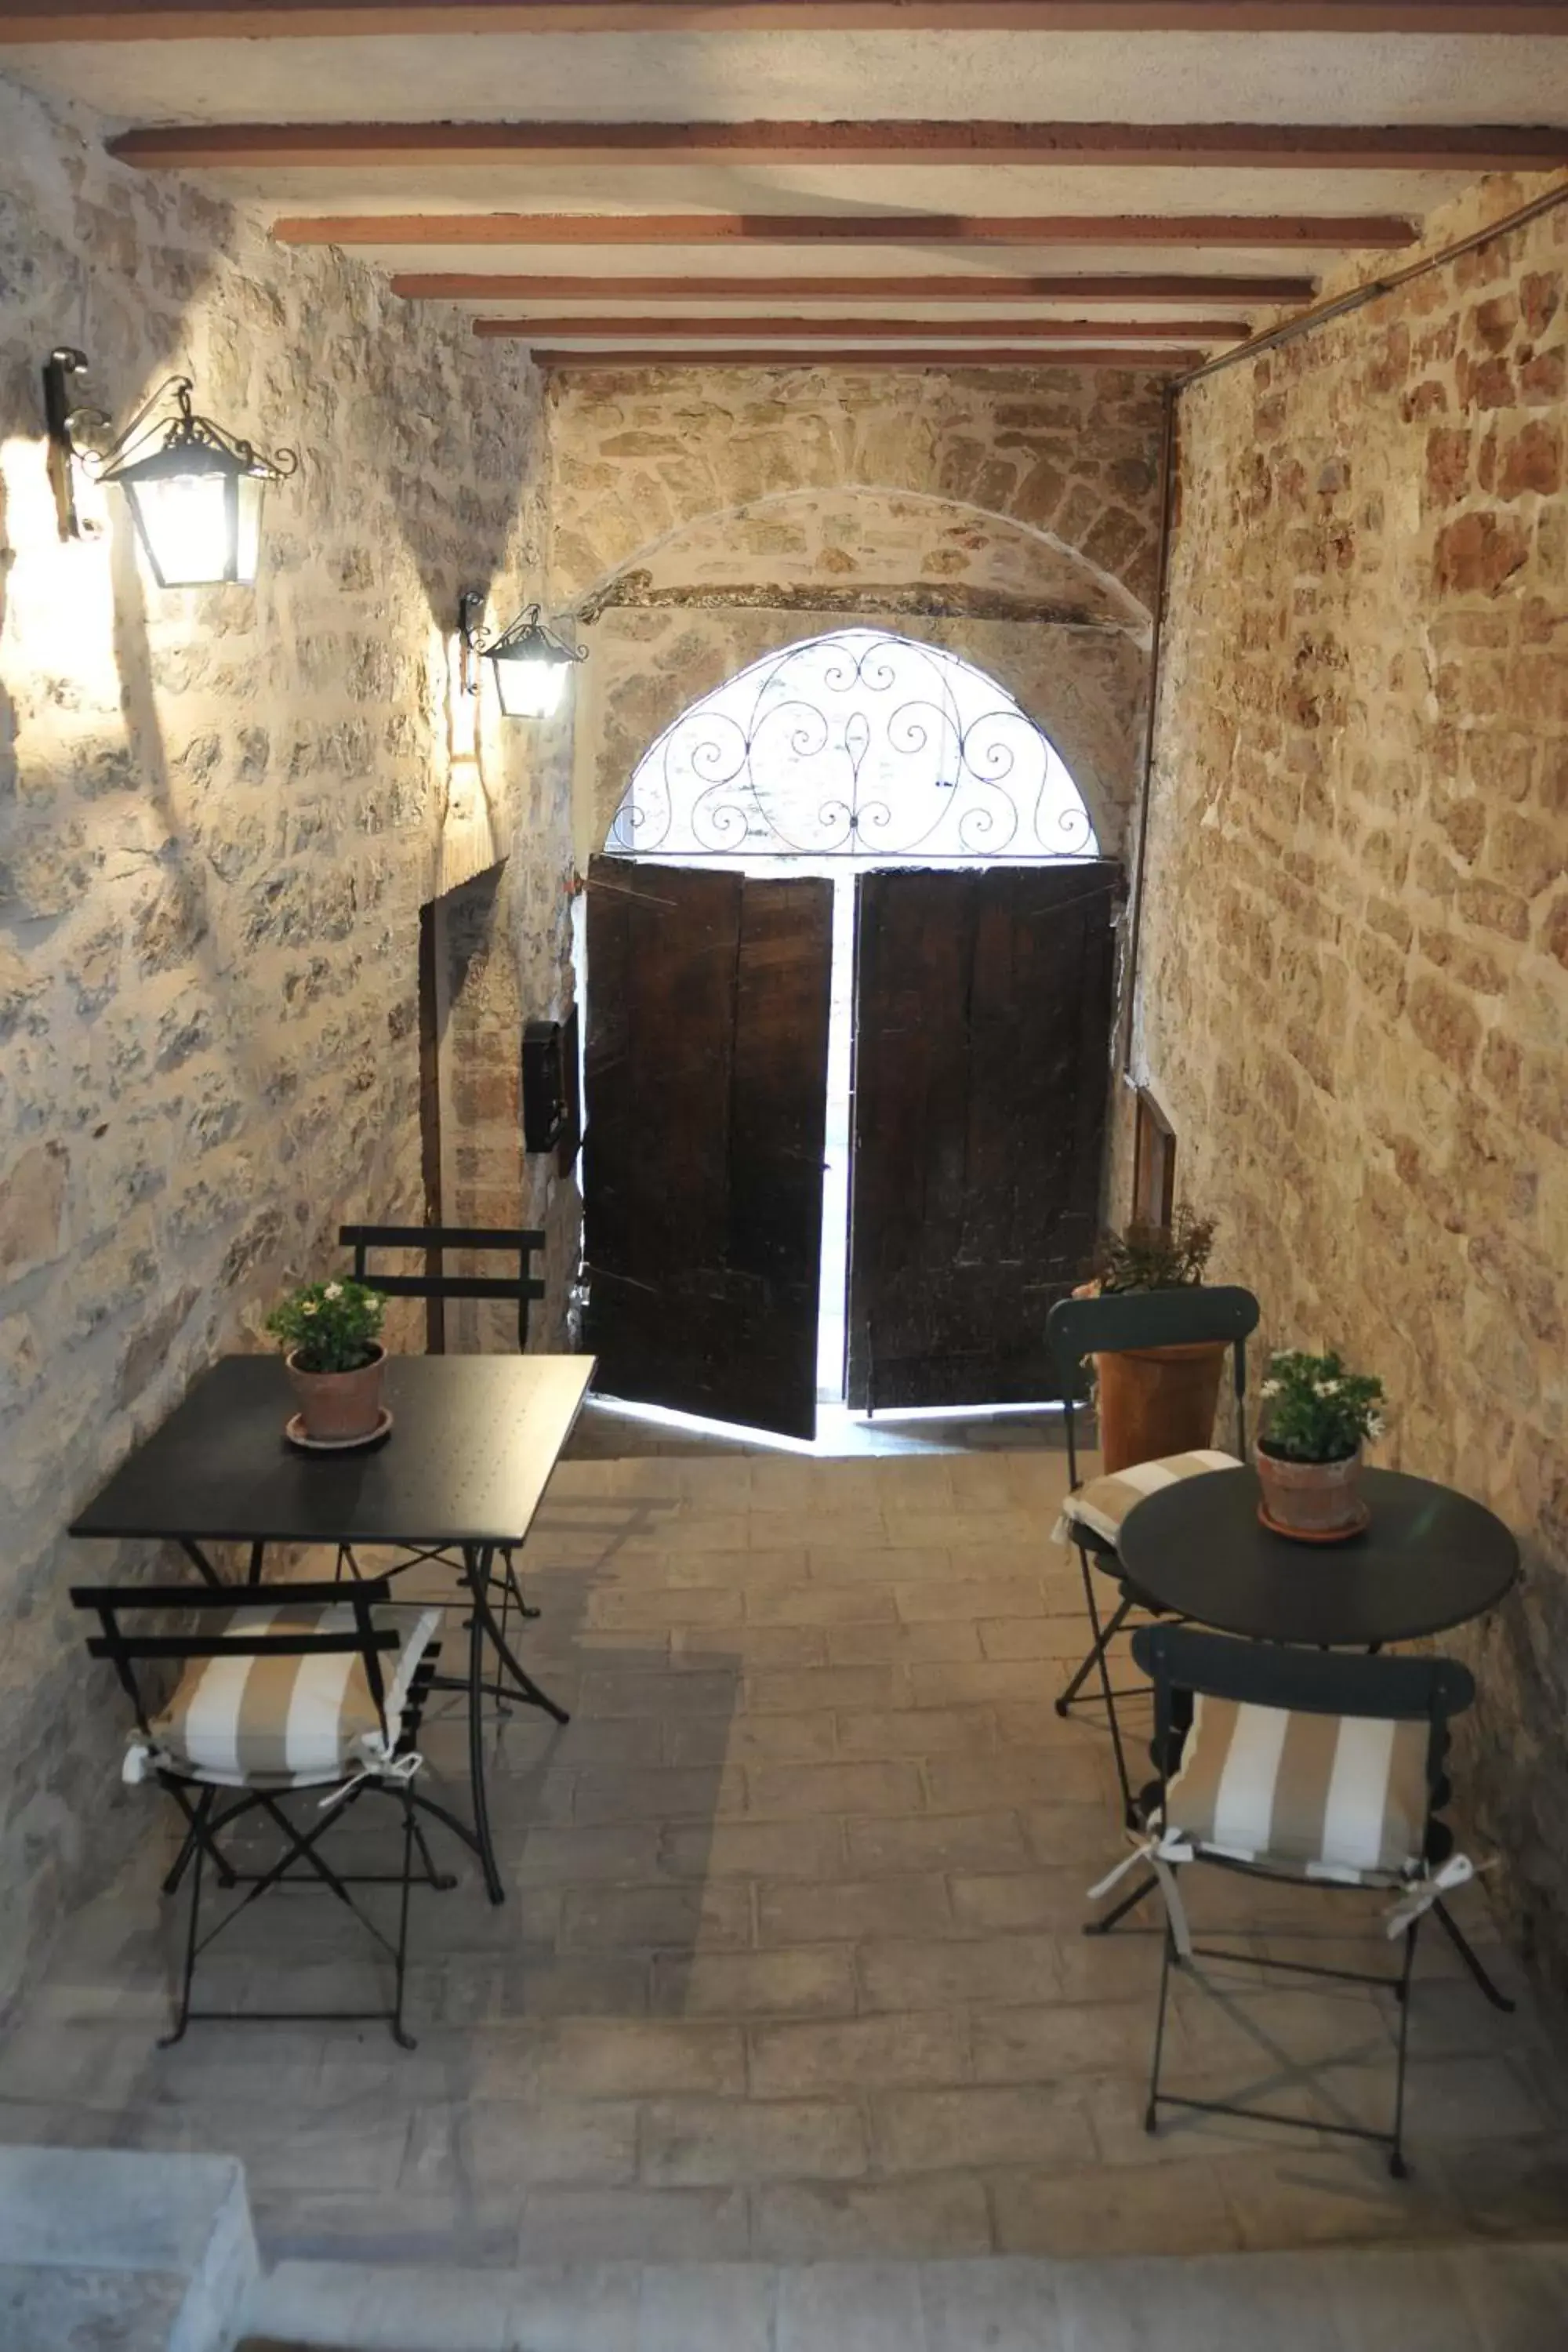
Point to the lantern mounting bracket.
(85, 436)
(526, 639)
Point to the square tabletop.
(473, 1442)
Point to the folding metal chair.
(315, 1693)
(436, 1285)
(1320, 1767)
(1078, 1328)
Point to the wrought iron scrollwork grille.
(858, 744)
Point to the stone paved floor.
(790, 1965)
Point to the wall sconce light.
(531, 666)
(195, 490)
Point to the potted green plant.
(1308, 1456)
(1156, 1401)
(330, 1336)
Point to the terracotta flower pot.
(1312, 1498)
(339, 1405)
(1156, 1401)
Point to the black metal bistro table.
(461, 1473)
(1428, 1558)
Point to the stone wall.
(698, 521)
(1353, 1001)
(219, 813)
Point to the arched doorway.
(856, 854)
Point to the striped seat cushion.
(1326, 1796)
(1104, 1502)
(290, 1721)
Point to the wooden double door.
(981, 1008)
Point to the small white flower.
(333, 1290)
(1375, 1424)
(1325, 1387)
(1270, 1388)
(308, 1307)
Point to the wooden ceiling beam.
(1263, 146)
(131, 20)
(828, 330)
(774, 355)
(480, 286)
(1323, 232)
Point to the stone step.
(104, 2251)
(1499, 2297)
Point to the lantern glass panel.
(530, 686)
(186, 525)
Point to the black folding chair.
(1079, 1327)
(229, 1760)
(1191, 1669)
(436, 1285)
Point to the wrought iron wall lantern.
(195, 490)
(531, 665)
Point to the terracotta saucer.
(1327, 1535)
(294, 1430)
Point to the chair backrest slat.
(435, 1282)
(1190, 1315)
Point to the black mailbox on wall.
(550, 1112)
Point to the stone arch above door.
(858, 744)
(1066, 641)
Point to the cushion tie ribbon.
(392, 1767)
(1423, 1891)
(1160, 1852)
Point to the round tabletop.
(1429, 1558)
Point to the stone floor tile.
(1393, 2299)
(1046, 2043)
(645, 1605)
(687, 1917)
(1007, 2306)
(607, 2057)
(916, 1732)
(941, 1842)
(810, 1981)
(978, 2128)
(748, 1649)
(1060, 1639)
(383, 2309)
(604, 1796)
(811, 2222)
(1001, 1968)
(631, 2225)
(753, 1739)
(857, 2053)
(1080, 1832)
(834, 1686)
(747, 1571)
(606, 1691)
(938, 1683)
(1208, 2304)
(896, 1645)
(995, 1901)
(706, 2307)
(799, 1792)
(1517, 2298)
(820, 1604)
(970, 1602)
(792, 1913)
(750, 1849)
(1295, 2193)
(499, 2146)
(588, 2308)
(913, 1561)
(710, 2143)
(1163, 2209)
(1016, 1778)
(850, 2307)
